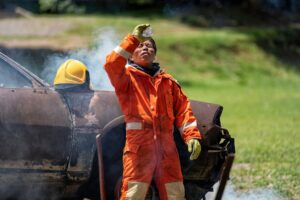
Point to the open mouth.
(144, 54)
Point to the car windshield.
(11, 78)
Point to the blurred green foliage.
(60, 6)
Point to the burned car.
(49, 148)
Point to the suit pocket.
(131, 148)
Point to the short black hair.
(153, 44)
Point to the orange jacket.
(149, 102)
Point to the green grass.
(246, 70)
(263, 118)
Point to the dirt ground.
(36, 33)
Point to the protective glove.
(138, 32)
(194, 148)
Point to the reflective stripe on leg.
(175, 191)
(136, 190)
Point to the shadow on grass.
(282, 42)
(275, 33)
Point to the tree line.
(83, 6)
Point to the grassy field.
(253, 72)
(263, 118)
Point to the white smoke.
(258, 194)
(105, 41)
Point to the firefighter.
(152, 102)
(72, 75)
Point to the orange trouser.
(151, 161)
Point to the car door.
(35, 127)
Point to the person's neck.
(145, 65)
(151, 70)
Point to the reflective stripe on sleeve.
(134, 126)
(187, 125)
(122, 52)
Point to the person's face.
(144, 54)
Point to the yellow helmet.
(71, 72)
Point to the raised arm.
(116, 62)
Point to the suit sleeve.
(185, 120)
(116, 62)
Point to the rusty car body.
(48, 146)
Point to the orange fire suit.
(151, 105)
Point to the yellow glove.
(138, 32)
(194, 148)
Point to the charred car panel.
(90, 112)
(36, 139)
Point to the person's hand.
(194, 148)
(138, 32)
